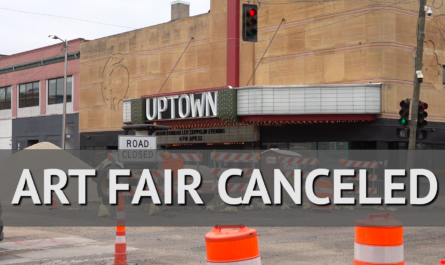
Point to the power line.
(441, 4)
(282, 20)
(193, 35)
(175, 65)
(223, 37)
(60, 52)
(78, 19)
(303, 31)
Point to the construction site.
(121, 232)
(222, 132)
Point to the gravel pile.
(37, 158)
(43, 146)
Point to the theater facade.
(332, 78)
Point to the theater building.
(31, 96)
(331, 79)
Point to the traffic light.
(250, 23)
(421, 122)
(404, 112)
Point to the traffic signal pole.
(416, 91)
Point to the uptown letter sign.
(220, 103)
(202, 105)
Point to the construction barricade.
(158, 174)
(288, 164)
(375, 186)
(324, 189)
(226, 245)
(378, 241)
(224, 161)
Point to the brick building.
(31, 96)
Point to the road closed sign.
(137, 148)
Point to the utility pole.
(65, 44)
(416, 91)
(64, 96)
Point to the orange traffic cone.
(53, 202)
(120, 251)
(230, 246)
(120, 255)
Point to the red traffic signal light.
(421, 122)
(252, 12)
(250, 23)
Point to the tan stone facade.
(335, 42)
(138, 62)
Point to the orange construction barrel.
(323, 189)
(378, 241)
(227, 245)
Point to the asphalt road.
(186, 245)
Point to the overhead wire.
(175, 65)
(239, 45)
(78, 19)
(191, 35)
(441, 4)
(303, 31)
(265, 52)
(53, 57)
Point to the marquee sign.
(209, 135)
(219, 103)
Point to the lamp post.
(64, 89)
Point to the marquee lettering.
(201, 105)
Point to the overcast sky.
(23, 31)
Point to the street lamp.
(65, 88)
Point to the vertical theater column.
(378, 241)
(233, 18)
(231, 246)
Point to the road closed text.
(189, 181)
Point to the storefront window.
(282, 146)
(303, 146)
(333, 145)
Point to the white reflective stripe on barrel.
(256, 261)
(120, 239)
(120, 215)
(373, 254)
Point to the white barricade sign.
(137, 148)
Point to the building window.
(5, 98)
(29, 95)
(55, 90)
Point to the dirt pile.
(37, 158)
(43, 146)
